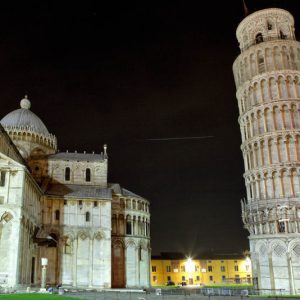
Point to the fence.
(175, 294)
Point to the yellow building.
(174, 267)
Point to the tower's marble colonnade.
(267, 77)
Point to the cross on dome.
(25, 103)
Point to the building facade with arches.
(59, 205)
(267, 78)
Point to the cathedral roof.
(77, 156)
(24, 119)
(117, 189)
(127, 193)
(78, 191)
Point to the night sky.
(124, 74)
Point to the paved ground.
(146, 296)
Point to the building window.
(247, 267)
(281, 226)
(209, 268)
(140, 253)
(197, 278)
(236, 268)
(283, 36)
(182, 268)
(153, 268)
(154, 278)
(211, 278)
(95, 203)
(259, 38)
(57, 215)
(67, 174)
(183, 278)
(87, 216)
(88, 175)
(269, 25)
(65, 202)
(80, 204)
(128, 227)
(168, 268)
(169, 278)
(2, 178)
(222, 268)
(223, 278)
(237, 279)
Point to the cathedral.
(267, 78)
(59, 206)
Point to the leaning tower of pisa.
(267, 77)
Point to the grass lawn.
(32, 296)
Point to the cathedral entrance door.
(118, 266)
(32, 270)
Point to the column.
(91, 263)
(75, 247)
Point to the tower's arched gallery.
(267, 77)
(59, 205)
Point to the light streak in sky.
(182, 138)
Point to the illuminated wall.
(200, 272)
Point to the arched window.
(88, 175)
(67, 174)
(269, 25)
(87, 216)
(283, 36)
(57, 215)
(68, 246)
(259, 38)
(128, 226)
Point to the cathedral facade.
(59, 206)
(267, 77)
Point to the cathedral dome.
(24, 119)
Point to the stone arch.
(287, 121)
(297, 86)
(277, 117)
(261, 62)
(295, 182)
(285, 58)
(253, 64)
(282, 87)
(83, 235)
(99, 235)
(268, 119)
(264, 90)
(7, 216)
(278, 250)
(294, 250)
(273, 88)
(277, 58)
(261, 248)
(276, 184)
(269, 59)
(130, 243)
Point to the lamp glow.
(189, 265)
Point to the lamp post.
(44, 262)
